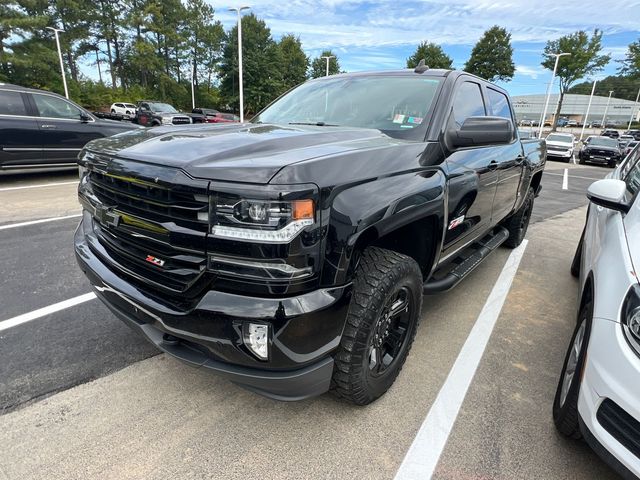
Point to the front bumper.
(306, 328)
(612, 372)
(559, 153)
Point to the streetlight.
(606, 109)
(586, 116)
(546, 103)
(238, 10)
(64, 79)
(632, 109)
(327, 58)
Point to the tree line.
(151, 48)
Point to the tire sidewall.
(571, 402)
(402, 276)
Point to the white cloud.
(349, 23)
(528, 71)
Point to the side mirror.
(609, 193)
(84, 117)
(478, 131)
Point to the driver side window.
(468, 103)
(54, 107)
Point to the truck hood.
(237, 152)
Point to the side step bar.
(481, 250)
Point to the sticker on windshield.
(414, 120)
(399, 118)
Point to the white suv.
(598, 395)
(127, 110)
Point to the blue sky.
(381, 34)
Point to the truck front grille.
(156, 232)
(154, 202)
(180, 120)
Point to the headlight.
(82, 171)
(167, 121)
(263, 220)
(631, 317)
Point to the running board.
(481, 250)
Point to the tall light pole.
(327, 58)
(546, 103)
(238, 10)
(586, 116)
(64, 78)
(632, 109)
(606, 109)
(193, 79)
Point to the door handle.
(519, 159)
(48, 126)
(493, 165)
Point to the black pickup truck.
(291, 254)
(152, 113)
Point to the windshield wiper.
(317, 124)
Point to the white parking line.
(572, 176)
(41, 312)
(423, 455)
(6, 189)
(565, 179)
(42, 220)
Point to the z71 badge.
(155, 260)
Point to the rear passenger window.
(499, 104)
(468, 103)
(11, 103)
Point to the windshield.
(162, 107)
(559, 138)
(396, 105)
(604, 142)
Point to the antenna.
(421, 68)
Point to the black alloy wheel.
(389, 336)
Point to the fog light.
(256, 338)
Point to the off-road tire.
(380, 273)
(518, 223)
(566, 416)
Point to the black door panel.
(63, 133)
(19, 135)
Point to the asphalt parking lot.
(82, 396)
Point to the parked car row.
(40, 129)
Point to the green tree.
(631, 63)
(295, 62)
(433, 55)
(624, 86)
(319, 64)
(260, 62)
(492, 57)
(584, 59)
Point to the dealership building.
(574, 107)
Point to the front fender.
(363, 212)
